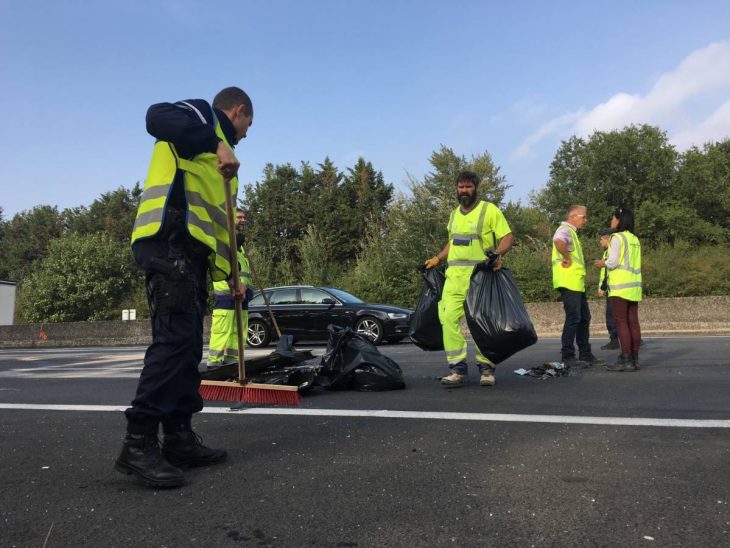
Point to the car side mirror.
(330, 302)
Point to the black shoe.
(574, 363)
(141, 456)
(612, 344)
(591, 360)
(186, 449)
(623, 363)
(635, 359)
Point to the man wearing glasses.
(569, 273)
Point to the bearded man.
(475, 226)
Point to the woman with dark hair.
(623, 270)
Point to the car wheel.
(258, 334)
(371, 328)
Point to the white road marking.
(423, 415)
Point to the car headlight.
(397, 316)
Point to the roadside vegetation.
(316, 224)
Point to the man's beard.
(467, 200)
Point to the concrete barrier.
(680, 316)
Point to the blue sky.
(387, 80)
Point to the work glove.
(432, 262)
(494, 260)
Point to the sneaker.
(486, 377)
(454, 379)
(574, 363)
(612, 344)
(591, 360)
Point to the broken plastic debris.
(521, 371)
(647, 537)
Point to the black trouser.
(175, 274)
(610, 324)
(577, 323)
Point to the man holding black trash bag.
(569, 273)
(474, 227)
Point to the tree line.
(319, 225)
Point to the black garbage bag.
(425, 329)
(352, 362)
(496, 317)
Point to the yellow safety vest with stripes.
(625, 280)
(206, 217)
(244, 272)
(574, 276)
(466, 247)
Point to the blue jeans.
(610, 324)
(577, 323)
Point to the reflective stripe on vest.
(221, 288)
(206, 217)
(573, 277)
(475, 253)
(625, 280)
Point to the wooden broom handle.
(257, 280)
(236, 278)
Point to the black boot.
(635, 359)
(141, 456)
(612, 344)
(184, 448)
(591, 360)
(623, 363)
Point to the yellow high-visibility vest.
(625, 280)
(466, 247)
(244, 272)
(206, 218)
(573, 277)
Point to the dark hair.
(625, 219)
(606, 232)
(231, 97)
(467, 177)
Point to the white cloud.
(705, 73)
(554, 126)
(714, 128)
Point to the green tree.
(277, 214)
(26, 240)
(83, 277)
(113, 213)
(629, 168)
(290, 210)
(315, 266)
(703, 185)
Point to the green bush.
(684, 270)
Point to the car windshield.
(344, 296)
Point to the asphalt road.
(594, 459)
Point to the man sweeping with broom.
(179, 235)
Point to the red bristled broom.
(241, 389)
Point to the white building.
(7, 302)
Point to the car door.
(325, 309)
(288, 311)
